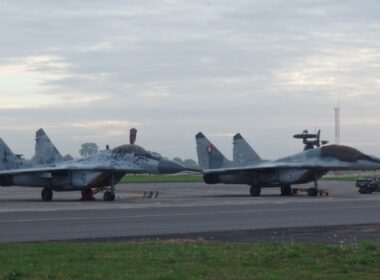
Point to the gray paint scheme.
(45, 151)
(248, 168)
(104, 169)
(243, 152)
(7, 158)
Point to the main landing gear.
(286, 190)
(109, 196)
(88, 194)
(255, 190)
(313, 191)
(46, 194)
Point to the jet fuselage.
(248, 168)
(100, 170)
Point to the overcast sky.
(91, 70)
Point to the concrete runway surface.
(182, 209)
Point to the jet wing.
(51, 169)
(30, 170)
(308, 164)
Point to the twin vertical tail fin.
(45, 151)
(243, 153)
(7, 158)
(209, 157)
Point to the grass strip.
(341, 178)
(189, 260)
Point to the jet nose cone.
(168, 166)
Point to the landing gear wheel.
(109, 196)
(46, 194)
(255, 191)
(87, 194)
(312, 192)
(286, 190)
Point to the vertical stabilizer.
(243, 153)
(7, 158)
(46, 152)
(209, 156)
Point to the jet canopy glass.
(131, 149)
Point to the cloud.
(376, 144)
(362, 121)
(23, 83)
(348, 72)
(96, 47)
(268, 69)
(226, 134)
(105, 124)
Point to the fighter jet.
(248, 168)
(97, 172)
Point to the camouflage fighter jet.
(98, 172)
(248, 168)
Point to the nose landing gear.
(313, 191)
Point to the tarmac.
(215, 213)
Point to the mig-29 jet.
(308, 166)
(97, 172)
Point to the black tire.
(255, 191)
(46, 194)
(312, 192)
(286, 190)
(109, 196)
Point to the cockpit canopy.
(131, 149)
(343, 153)
(135, 150)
